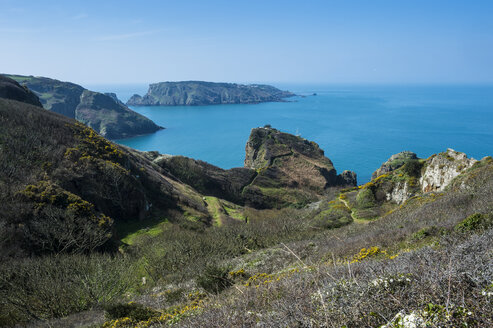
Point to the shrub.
(365, 198)
(130, 310)
(215, 279)
(475, 222)
(413, 168)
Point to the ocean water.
(359, 127)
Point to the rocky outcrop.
(290, 169)
(10, 89)
(442, 168)
(280, 170)
(102, 112)
(394, 162)
(194, 93)
(404, 175)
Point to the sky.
(310, 41)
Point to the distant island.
(197, 93)
(102, 112)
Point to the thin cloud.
(124, 36)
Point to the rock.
(102, 112)
(193, 93)
(442, 168)
(348, 178)
(393, 163)
(10, 89)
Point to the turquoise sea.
(358, 126)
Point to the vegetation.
(90, 230)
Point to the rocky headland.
(103, 112)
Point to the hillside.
(10, 89)
(102, 112)
(195, 93)
(93, 234)
(65, 188)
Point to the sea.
(358, 126)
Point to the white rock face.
(400, 193)
(442, 168)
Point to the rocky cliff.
(193, 93)
(104, 113)
(405, 175)
(442, 168)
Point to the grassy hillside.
(61, 182)
(97, 235)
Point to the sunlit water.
(359, 127)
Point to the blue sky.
(343, 41)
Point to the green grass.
(215, 209)
(19, 78)
(131, 231)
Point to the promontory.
(102, 112)
(196, 93)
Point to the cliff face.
(10, 89)
(193, 93)
(404, 175)
(442, 168)
(111, 118)
(104, 113)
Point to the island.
(199, 93)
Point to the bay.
(358, 126)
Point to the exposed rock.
(10, 89)
(399, 193)
(442, 168)
(102, 112)
(193, 93)
(394, 162)
(348, 178)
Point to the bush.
(215, 279)
(130, 310)
(413, 168)
(475, 222)
(365, 198)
